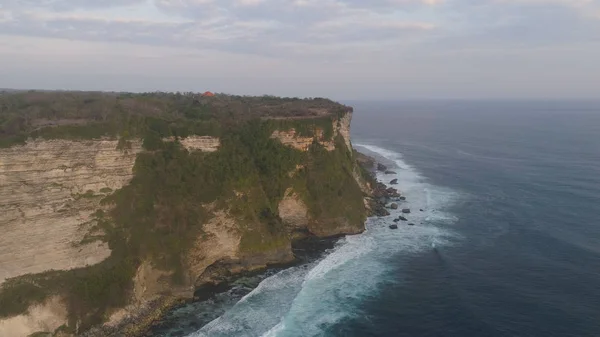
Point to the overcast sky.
(343, 49)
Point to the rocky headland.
(117, 206)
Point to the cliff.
(115, 206)
(49, 191)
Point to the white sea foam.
(303, 300)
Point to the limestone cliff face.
(104, 231)
(49, 190)
(340, 126)
(293, 211)
(295, 215)
(201, 143)
(47, 316)
(221, 242)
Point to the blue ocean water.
(507, 244)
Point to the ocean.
(507, 244)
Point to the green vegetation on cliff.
(161, 212)
(88, 115)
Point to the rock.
(396, 220)
(364, 160)
(394, 205)
(406, 210)
(421, 209)
(381, 167)
(411, 224)
(402, 198)
(402, 218)
(394, 182)
(393, 226)
(390, 172)
(40, 216)
(380, 211)
(392, 193)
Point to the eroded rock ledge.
(199, 143)
(340, 126)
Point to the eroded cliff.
(50, 189)
(104, 233)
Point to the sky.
(342, 49)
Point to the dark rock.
(396, 220)
(392, 193)
(379, 190)
(381, 167)
(421, 209)
(402, 218)
(393, 226)
(364, 160)
(411, 224)
(394, 182)
(406, 210)
(394, 205)
(390, 172)
(379, 210)
(402, 198)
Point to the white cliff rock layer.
(48, 191)
(201, 143)
(47, 316)
(340, 127)
(293, 211)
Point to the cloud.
(66, 5)
(345, 39)
(242, 26)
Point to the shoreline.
(305, 251)
(154, 316)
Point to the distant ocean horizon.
(507, 244)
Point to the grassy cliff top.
(64, 114)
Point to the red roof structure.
(208, 94)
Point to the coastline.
(305, 250)
(153, 317)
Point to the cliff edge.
(115, 206)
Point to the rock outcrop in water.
(110, 219)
